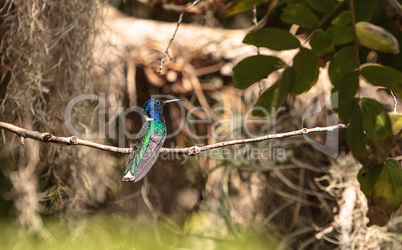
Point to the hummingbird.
(149, 141)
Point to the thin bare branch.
(166, 54)
(47, 137)
(187, 9)
(191, 151)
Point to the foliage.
(272, 38)
(336, 32)
(376, 38)
(243, 5)
(255, 68)
(382, 186)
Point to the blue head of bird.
(154, 108)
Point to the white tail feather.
(129, 177)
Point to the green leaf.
(343, 63)
(254, 68)
(321, 43)
(342, 98)
(376, 38)
(367, 179)
(396, 121)
(307, 69)
(369, 135)
(379, 137)
(355, 136)
(382, 185)
(385, 76)
(389, 183)
(376, 121)
(322, 5)
(243, 5)
(342, 19)
(340, 34)
(301, 15)
(272, 38)
(364, 9)
(274, 97)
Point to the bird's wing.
(138, 151)
(145, 152)
(149, 156)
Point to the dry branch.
(191, 151)
(190, 8)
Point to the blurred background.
(72, 196)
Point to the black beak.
(173, 100)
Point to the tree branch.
(191, 151)
(47, 137)
(189, 8)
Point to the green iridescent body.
(150, 138)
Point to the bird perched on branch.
(149, 141)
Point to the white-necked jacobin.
(149, 141)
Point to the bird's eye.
(157, 102)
